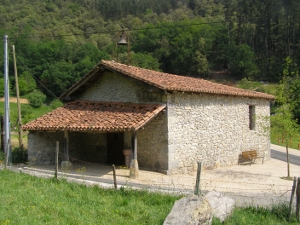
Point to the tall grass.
(259, 216)
(25, 199)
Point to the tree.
(283, 122)
(26, 83)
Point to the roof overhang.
(96, 116)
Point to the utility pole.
(6, 110)
(18, 100)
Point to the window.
(251, 117)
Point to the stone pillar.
(134, 167)
(66, 164)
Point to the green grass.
(25, 199)
(259, 216)
(28, 112)
(277, 140)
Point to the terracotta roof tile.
(96, 116)
(171, 82)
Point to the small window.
(251, 117)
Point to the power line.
(44, 86)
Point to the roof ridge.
(173, 82)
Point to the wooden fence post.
(56, 159)
(292, 196)
(114, 175)
(298, 200)
(197, 189)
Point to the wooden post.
(18, 101)
(292, 196)
(66, 147)
(134, 167)
(114, 175)
(298, 200)
(56, 159)
(197, 189)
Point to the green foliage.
(19, 155)
(55, 104)
(184, 37)
(2, 157)
(146, 61)
(241, 61)
(283, 122)
(26, 83)
(36, 99)
(2, 87)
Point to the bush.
(2, 157)
(26, 83)
(36, 99)
(19, 155)
(55, 104)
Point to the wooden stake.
(298, 200)
(197, 189)
(114, 175)
(56, 159)
(18, 101)
(292, 196)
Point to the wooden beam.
(66, 145)
(134, 167)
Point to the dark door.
(115, 145)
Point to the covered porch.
(90, 131)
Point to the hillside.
(58, 41)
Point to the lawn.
(26, 199)
(30, 200)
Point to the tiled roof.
(96, 116)
(171, 82)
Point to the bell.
(123, 40)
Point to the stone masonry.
(214, 130)
(210, 128)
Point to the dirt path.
(14, 99)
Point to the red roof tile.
(171, 82)
(96, 116)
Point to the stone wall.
(42, 147)
(152, 144)
(90, 147)
(121, 88)
(213, 129)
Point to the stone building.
(168, 122)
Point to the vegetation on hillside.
(57, 41)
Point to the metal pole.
(6, 105)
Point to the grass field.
(26, 199)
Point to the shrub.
(19, 155)
(2, 157)
(36, 99)
(26, 83)
(55, 104)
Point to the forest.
(59, 41)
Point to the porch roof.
(86, 115)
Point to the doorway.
(115, 146)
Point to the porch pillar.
(134, 167)
(66, 145)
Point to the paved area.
(256, 184)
